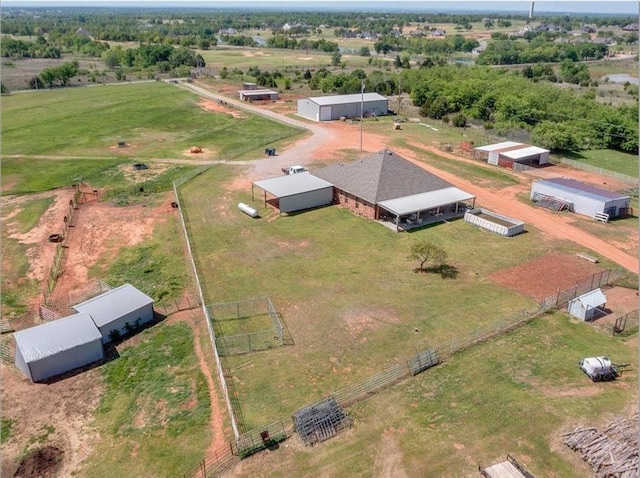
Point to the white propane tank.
(245, 208)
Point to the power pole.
(361, 112)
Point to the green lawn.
(609, 159)
(154, 415)
(512, 395)
(345, 288)
(156, 120)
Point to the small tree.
(425, 251)
(336, 58)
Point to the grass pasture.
(156, 120)
(608, 159)
(346, 291)
(515, 394)
(154, 415)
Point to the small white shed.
(587, 305)
(54, 348)
(118, 309)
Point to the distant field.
(155, 120)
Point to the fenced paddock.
(246, 326)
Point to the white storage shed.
(509, 152)
(295, 192)
(57, 347)
(327, 108)
(584, 198)
(117, 308)
(257, 95)
(587, 305)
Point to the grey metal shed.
(295, 192)
(584, 198)
(587, 305)
(252, 94)
(327, 108)
(57, 347)
(116, 308)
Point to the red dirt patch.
(545, 276)
(211, 105)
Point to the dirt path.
(504, 201)
(195, 320)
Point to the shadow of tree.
(446, 271)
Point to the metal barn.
(256, 95)
(587, 305)
(327, 108)
(584, 198)
(295, 192)
(118, 309)
(509, 152)
(57, 347)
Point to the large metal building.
(118, 309)
(57, 347)
(582, 198)
(327, 108)
(295, 192)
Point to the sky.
(628, 7)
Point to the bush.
(459, 120)
(114, 335)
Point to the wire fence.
(58, 258)
(252, 441)
(595, 169)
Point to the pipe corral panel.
(503, 225)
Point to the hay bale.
(195, 149)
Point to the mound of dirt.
(42, 463)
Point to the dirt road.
(502, 201)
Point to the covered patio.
(418, 210)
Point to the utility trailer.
(598, 368)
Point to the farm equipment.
(599, 368)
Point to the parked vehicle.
(294, 170)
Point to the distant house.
(631, 27)
(587, 29)
(349, 34)
(438, 33)
(227, 31)
(83, 32)
(418, 32)
(386, 187)
(369, 35)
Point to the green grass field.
(515, 394)
(91, 121)
(346, 291)
(154, 415)
(611, 160)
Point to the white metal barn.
(584, 198)
(587, 305)
(54, 348)
(116, 308)
(327, 108)
(509, 152)
(295, 192)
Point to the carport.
(294, 192)
(425, 208)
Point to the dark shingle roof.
(381, 176)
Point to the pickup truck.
(294, 170)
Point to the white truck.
(294, 170)
(598, 368)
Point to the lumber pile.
(612, 452)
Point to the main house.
(382, 186)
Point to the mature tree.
(425, 251)
(364, 51)
(336, 58)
